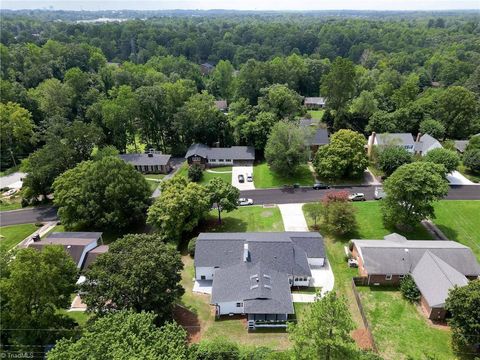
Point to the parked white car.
(357, 197)
(379, 193)
(249, 177)
(245, 202)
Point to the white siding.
(316, 261)
(208, 272)
(304, 282)
(226, 308)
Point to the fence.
(361, 281)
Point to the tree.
(314, 211)
(191, 246)
(473, 143)
(464, 305)
(81, 138)
(222, 80)
(112, 336)
(54, 99)
(409, 289)
(34, 286)
(100, 153)
(448, 158)
(410, 193)
(195, 173)
(433, 128)
(471, 159)
(285, 149)
(16, 132)
(281, 101)
(392, 157)
(253, 130)
(324, 333)
(344, 157)
(338, 85)
(223, 195)
(140, 273)
(102, 194)
(338, 213)
(407, 92)
(179, 207)
(216, 349)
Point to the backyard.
(220, 172)
(153, 180)
(263, 177)
(12, 235)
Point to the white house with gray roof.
(425, 143)
(207, 156)
(404, 140)
(151, 162)
(252, 273)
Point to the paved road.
(259, 196)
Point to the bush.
(24, 202)
(338, 213)
(191, 246)
(447, 158)
(392, 157)
(409, 289)
(195, 173)
(471, 159)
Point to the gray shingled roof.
(425, 143)
(399, 139)
(388, 256)
(233, 153)
(460, 145)
(315, 135)
(144, 159)
(314, 100)
(434, 278)
(93, 254)
(221, 104)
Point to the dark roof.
(145, 159)
(93, 254)
(262, 290)
(389, 256)
(233, 153)
(221, 104)
(315, 135)
(434, 278)
(315, 100)
(395, 139)
(460, 145)
(74, 243)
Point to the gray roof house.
(216, 156)
(150, 162)
(317, 136)
(251, 273)
(425, 143)
(314, 102)
(460, 145)
(221, 105)
(436, 265)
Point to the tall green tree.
(324, 333)
(102, 194)
(112, 336)
(285, 149)
(281, 101)
(411, 192)
(338, 213)
(222, 81)
(140, 273)
(54, 98)
(433, 128)
(338, 85)
(223, 195)
(392, 157)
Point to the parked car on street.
(357, 197)
(245, 202)
(241, 178)
(319, 186)
(379, 193)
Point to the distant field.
(263, 177)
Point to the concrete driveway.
(456, 178)
(203, 286)
(243, 170)
(322, 277)
(303, 298)
(293, 219)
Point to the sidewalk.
(42, 232)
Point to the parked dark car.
(241, 178)
(296, 186)
(319, 186)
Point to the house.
(425, 143)
(206, 156)
(460, 145)
(206, 68)
(251, 273)
(404, 140)
(315, 136)
(93, 254)
(221, 105)
(77, 244)
(151, 162)
(436, 265)
(314, 102)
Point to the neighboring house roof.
(399, 139)
(93, 254)
(314, 100)
(316, 135)
(145, 159)
(221, 104)
(426, 144)
(207, 65)
(74, 243)
(233, 153)
(389, 256)
(460, 145)
(261, 289)
(434, 278)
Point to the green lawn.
(459, 220)
(183, 171)
(156, 180)
(207, 176)
(243, 219)
(400, 330)
(263, 177)
(316, 114)
(6, 205)
(12, 235)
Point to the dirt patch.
(266, 213)
(362, 339)
(189, 321)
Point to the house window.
(202, 277)
(388, 277)
(228, 160)
(220, 160)
(296, 279)
(212, 160)
(239, 304)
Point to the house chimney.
(419, 135)
(246, 257)
(371, 141)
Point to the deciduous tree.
(339, 84)
(433, 128)
(448, 158)
(392, 157)
(222, 195)
(338, 213)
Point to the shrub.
(195, 173)
(447, 158)
(392, 157)
(191, 246)
(471, 159)
(409, 289)
(338, 213)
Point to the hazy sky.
(242, 5)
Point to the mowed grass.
(12, 235)
(243, 219)
(459, 220)
(153, 180)
(263, 177)
(207, 175)
(400, 330)
(316, 114)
